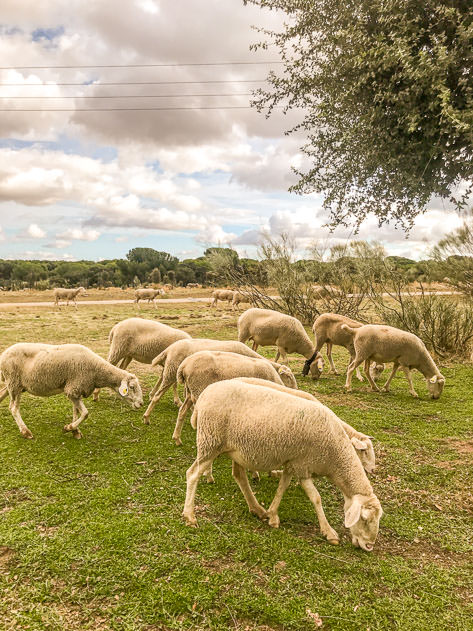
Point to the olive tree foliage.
(453, 256)
(386, 97)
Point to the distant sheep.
(328, 330)
(171, 358)
(205, 367)
(221, 294)
(149, 295)
(238, 298)
(381, 343)
(272, 328)
(141, 340)
(60, 293)
(264, 430)
(45, 370)
(193, 286)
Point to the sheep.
(141, 340)
(261, 429)
(266, 328)
(221, 294)
(204, 367)
(381, 343)
(193, 286)
(168, 287)
(361, 442)
(239, 297)
(171, 358)
(328, 330)
(61, 293)
(46, 369)
(149, 295)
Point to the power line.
(89, 85)
(132, 109)
(125, 96)
(213, 63)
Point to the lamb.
(205, 367)
(141, 340)
(361, 442)
(60, 293)
(266, 328)
(46, 369)
(261, 429)
(221, 294)
(328, 330)
(176, 353)
(149, 295)
(380, 343)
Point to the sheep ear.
(433, 379)
(352, 515)
(358, 444)
(123, 389)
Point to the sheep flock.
(244, 405)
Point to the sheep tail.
(350, 330)
(110, 335)
(160, 359)
(194, 416)
(180, 376)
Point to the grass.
(91, 535)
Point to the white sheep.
(149, 295)
(141, 340)
(238, 298)
(46, 369)
(205, 367)
(263, 430)
(381, 343)
(328, 330)
(221, 294)
(361, 442)
(60, 293)
(171, 358)
(193, 286)
(272, 328)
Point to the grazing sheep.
(193, 286)
(267, 328)
(221, 294)
(168, 287)
(380, 343)
(141, 340)
(361, 442)
(263, 430)
(60, 293)
(328, 330)
(205, 367)
(238, 298)
(176, 353)
(45, 370)
(149, 295)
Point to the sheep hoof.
(415, 395)
(190, 520)
(210, 479)
(274, 522)
(333, 542)
(77, 435)
(146, 420)
(177, 440)
(385, 389)
(375, 389)
(67, 428)
(348, 389)
(26, 433)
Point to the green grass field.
(91, 534)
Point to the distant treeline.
(145, 266)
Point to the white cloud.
(35, 232)
(79, 234)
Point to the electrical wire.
(213, 63)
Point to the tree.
(155, 275)
(151, 258)
(386, 91)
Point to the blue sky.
(93, 185)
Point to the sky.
(92, 185)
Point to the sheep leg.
(75, 303)
(330, 359)
(154, 302)
(284, 482)
(3, 393)
(374, 387)
(408, 374)
(156, 387)
(83, 414)
(15, 410)
(282, 353)
(241, 479)
(390, 378)
(314, 496)
(162, 389)
(351, 369)
(193, 475)
(277, 356)
(177, 400)
(180, 420)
